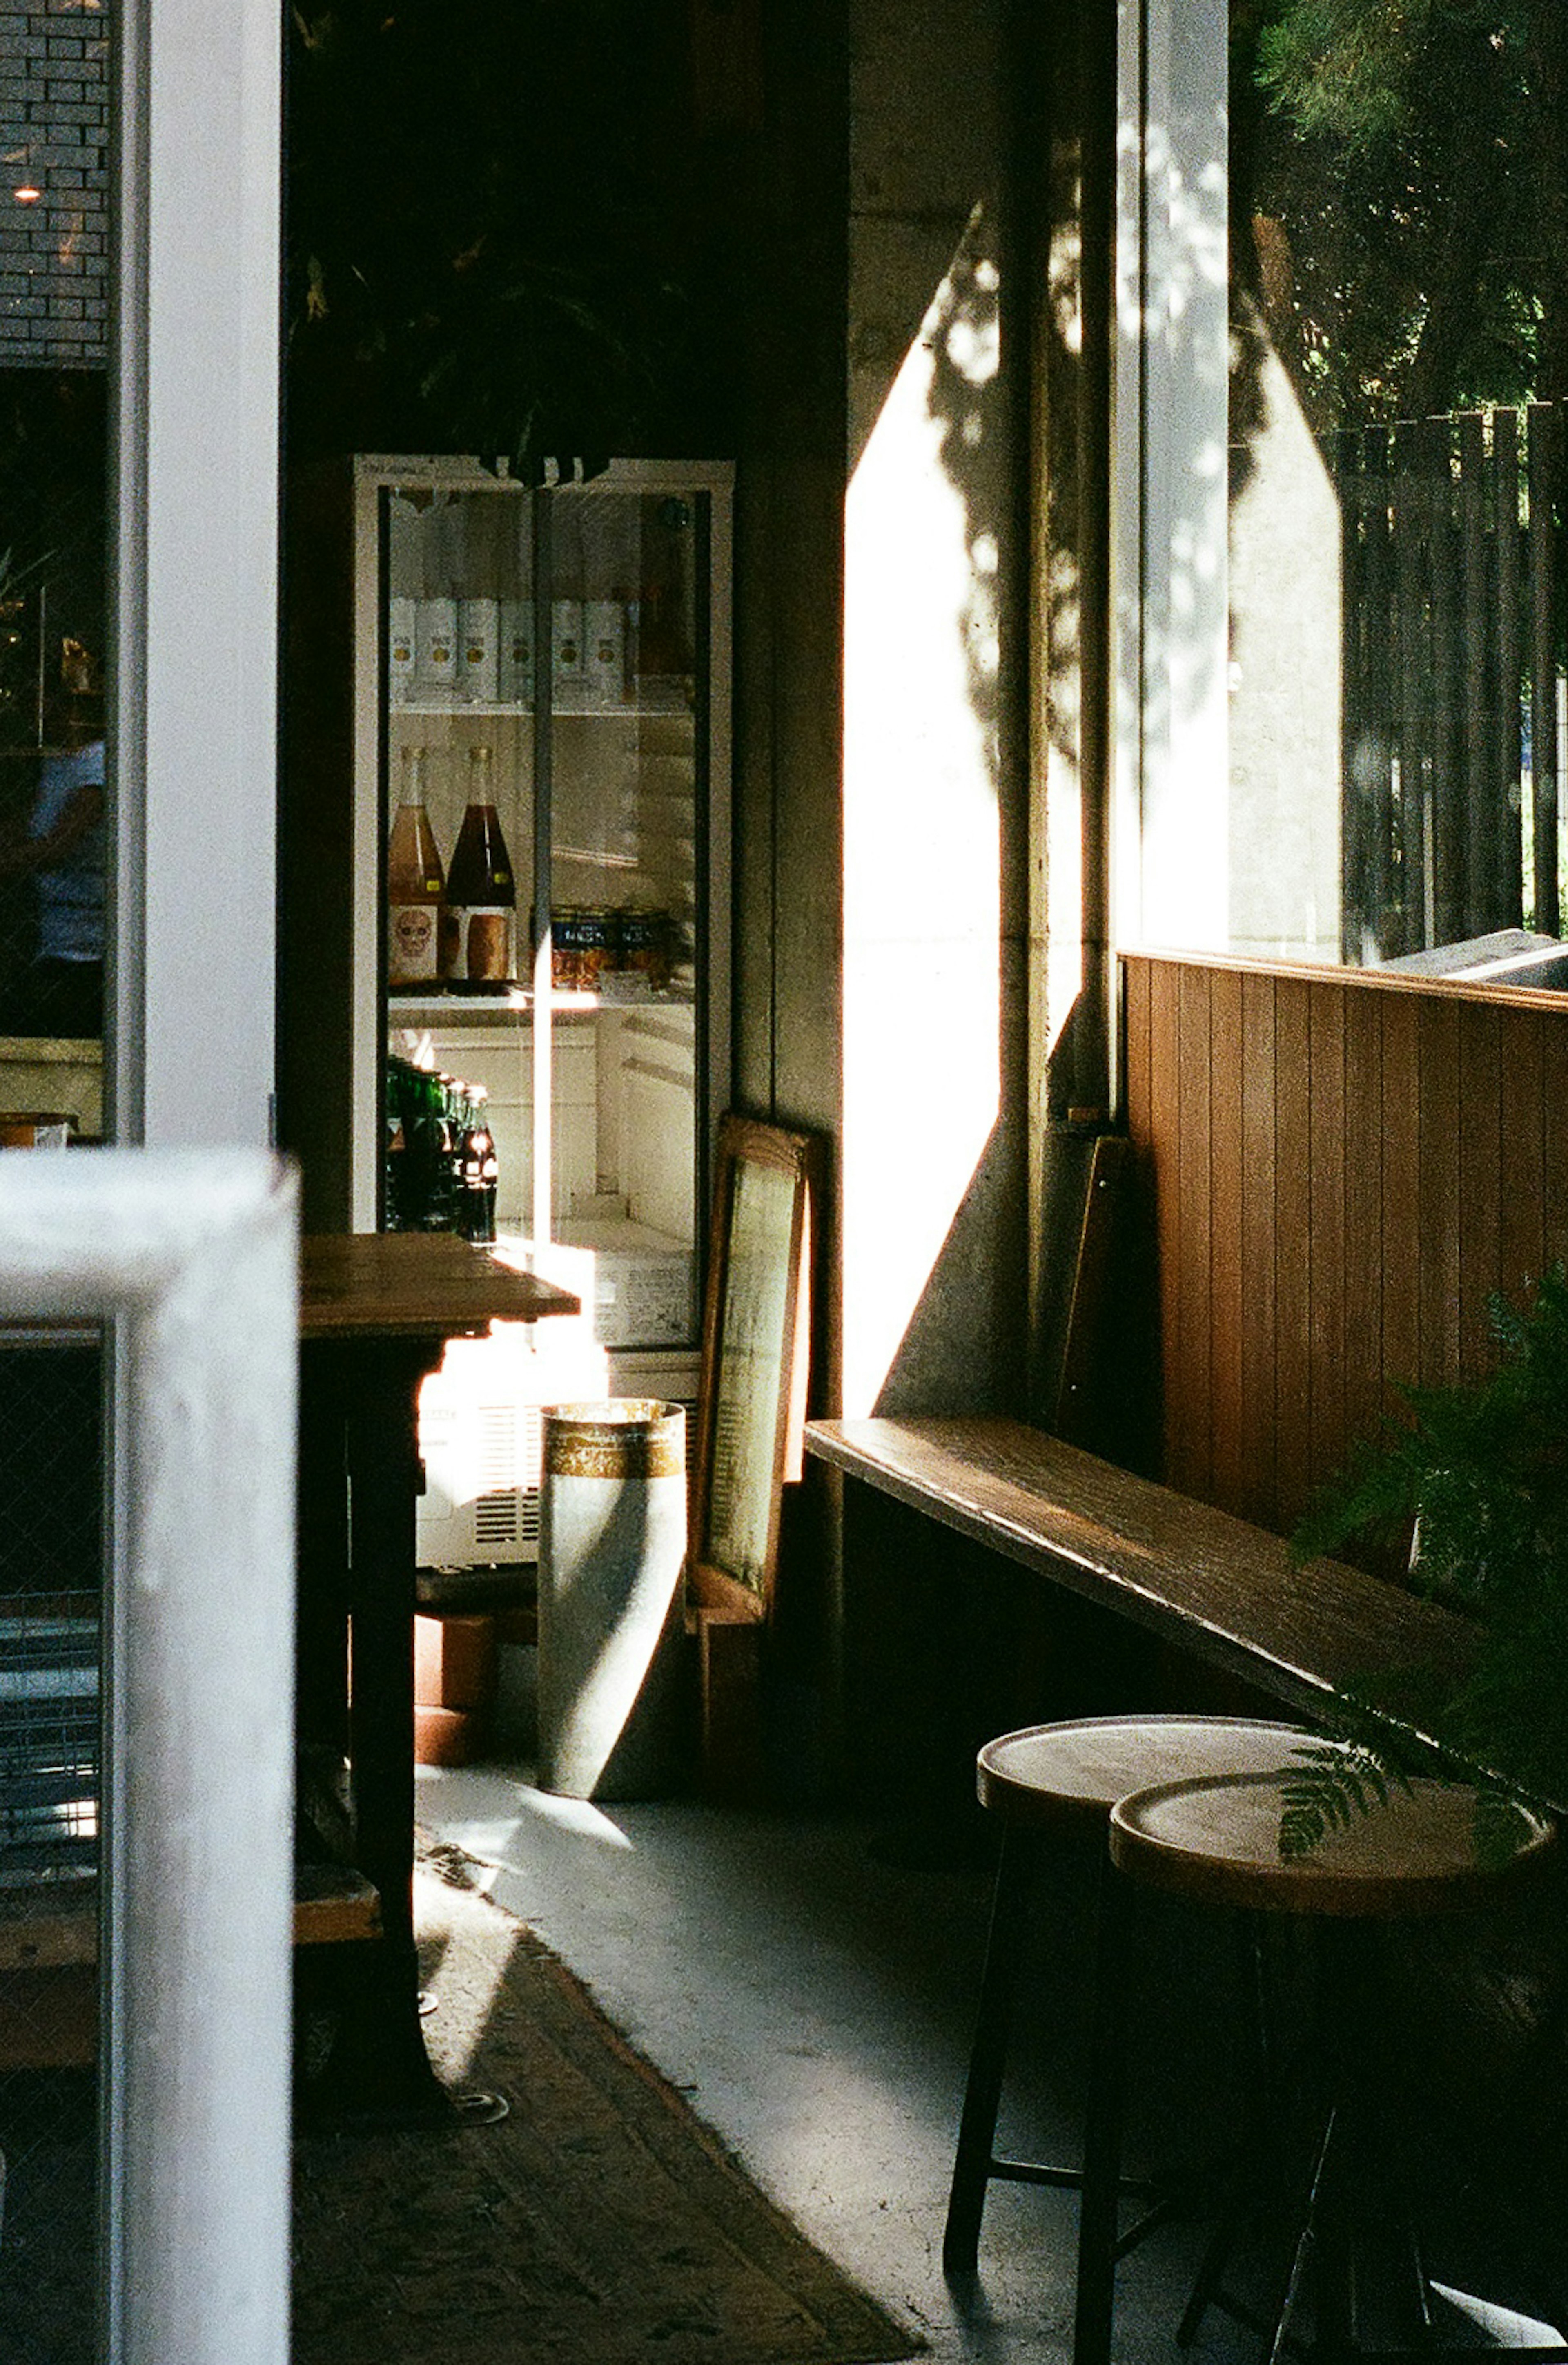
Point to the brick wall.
(54, 132)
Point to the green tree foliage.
(1479, 1473)
(1405, 166)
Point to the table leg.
(366, 1396)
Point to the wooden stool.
(1216, 1840)
(1062, 1781)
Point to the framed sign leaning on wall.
(756, 1340)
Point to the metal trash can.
(611, 1542)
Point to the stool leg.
(1258, 2157)
(1343, 1998)
(1098, 2214)
(987, 2057)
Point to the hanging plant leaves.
(1477, 1473)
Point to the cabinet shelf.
(665, 706)
(476, 1009)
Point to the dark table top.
(413, 1284)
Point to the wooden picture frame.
(756, 1350)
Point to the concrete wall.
(935, 785)
(879, 938)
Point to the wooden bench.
(1196, 1577)
(48, 1956)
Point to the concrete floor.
(809, 1983)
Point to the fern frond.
(1331, 1785)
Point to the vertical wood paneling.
(1480, 1179)
(1166, 1166)
(1259, 1241)
(1554, 1142)
(1136, 1048)
(1326, 1230)
(1438, 1035)
(1522, 1174)
(1401, 1232)
(1363, 1399)
(1226, 1274)
(1191, 1463)
(1293, 1214)
(1344, 1173)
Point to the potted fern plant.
(1476, 1473)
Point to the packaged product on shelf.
(566, 676)
(399, 650)
(515, 655)
(435, 648)
(604, 652)
(580, 950)
(643, 949)
(479, 670)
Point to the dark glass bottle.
(479, 935)
(477, 1198)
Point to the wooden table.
(376, 1313)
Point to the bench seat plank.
(1195, 1576)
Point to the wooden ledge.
(1213, 1585)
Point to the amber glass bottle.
(479, 942)
(414, 884)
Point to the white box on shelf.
(637, 1281)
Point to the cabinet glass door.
(547, 743)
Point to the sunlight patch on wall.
(921, 888)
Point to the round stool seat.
(1217, 1839)
(1070, 1776)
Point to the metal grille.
(494, 1519)
(50, 1553)
(49, 1738)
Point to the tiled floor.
(809, 1984)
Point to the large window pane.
(1399, 310)
(54, 199)
(1348, 690)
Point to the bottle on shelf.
(479, 936)
(476, 1197)
(415, 884)
(420, 1180)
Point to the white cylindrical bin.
(611, 1541)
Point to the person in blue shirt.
(60, 990)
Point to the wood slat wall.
(1340, 1167)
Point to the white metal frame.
(194, 689)
(192, 1261)
(1171, 477)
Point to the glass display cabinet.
(536, 848)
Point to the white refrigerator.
(559, 654)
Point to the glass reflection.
(1399, 357)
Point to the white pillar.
(195, 359)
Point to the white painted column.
(194, 676)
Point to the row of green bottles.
(441, 1158)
